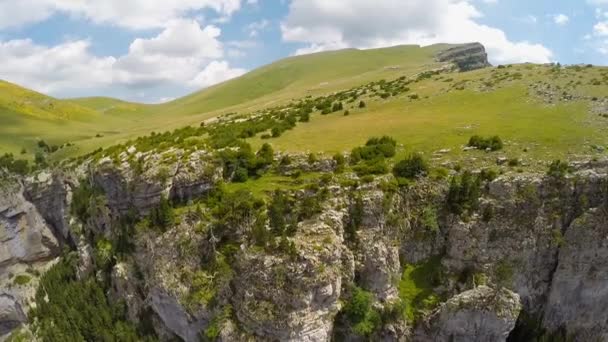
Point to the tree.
(265, 155)
(411, 167)
(162, 216)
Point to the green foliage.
(558, 169)
(416, 287)
(71, 310)
(429, 219)
(355, 218)
(370, 159)
(215, 327)
(493, 143)
(464, 192)
(82, 198)
(162, 217)
(362, 104)
(265, 156)
(18, 166)
(280, 214)
(411, 167)
(340, 162)
(360, 312)
(22, 279)
(504, 273)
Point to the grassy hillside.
(539, 111)
(89, 123)
(542, 112)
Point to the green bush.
(360, 312)
(558, 169)
(411, 167)
(22, 279)
(464, 192)
(375, 148)
(493, 143)
(68, 309)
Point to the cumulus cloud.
(135, 14)
(51, 69)
(327, 25)
(183, 54)
(216, 72)
(561, 19)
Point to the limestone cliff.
(534, 246)
(465, 57)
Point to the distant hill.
(564, 110)
(98, 121)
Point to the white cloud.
(561, 19)
(214, 73)
(256, 27)
(51, 69)
(601, 29)
(183, 54)
(135, 14)
(326, 25)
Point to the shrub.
(375, 148)
(340, 162)
(411, 167)
(162, 216)
(558, 169)
(493, 143)
(21, 279)
(265, 155)
(360, 312)
(362, 104)
(464, 193)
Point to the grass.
(21, 280)
(95, 122)
(416, 287)
(450, 109)
(444, 119)
(268, 183)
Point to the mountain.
(400, 194)
(92, 122)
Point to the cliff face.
(27, 245)
(465, 57)
(535, 247)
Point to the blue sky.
(153, 51)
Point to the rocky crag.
(372, 262)
(465, 57)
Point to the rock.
(579, 290)
(287, 299)
(466, 56)
(482, 314)
(11, 314)
(24, 235)
(174, 316)
(379, 265)
(51, 194)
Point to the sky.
(156, 50)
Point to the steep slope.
(114, 120)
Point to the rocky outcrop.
(579, 290)
(11, 314)
(51, 194)
(27, 243)
(24, 235)
(138, 181)
(294, 298)
(465, 57)
(479, 315)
